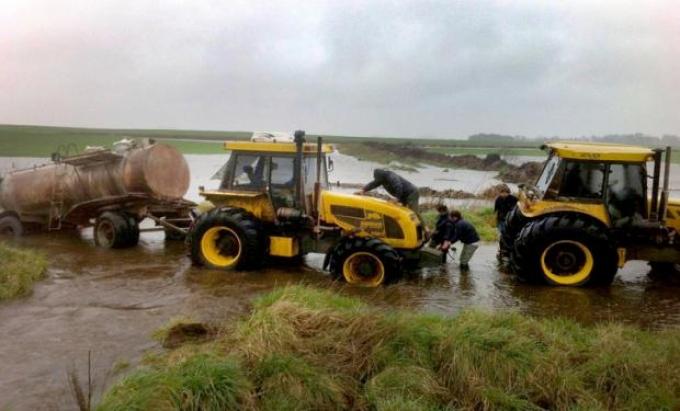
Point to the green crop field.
(41, 141)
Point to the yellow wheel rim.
(363, 268)
(567, 262)
(221, 247)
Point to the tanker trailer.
(112, 190)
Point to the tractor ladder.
(57, 198)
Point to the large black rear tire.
(366, 262)
(514, 222)
(227, 238)
(116, 230)
(569, 250)
(10, 227)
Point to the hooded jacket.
(394, 184)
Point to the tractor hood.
(397, 225)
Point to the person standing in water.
(461, 230)
(396, 186)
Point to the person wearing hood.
(396, 186)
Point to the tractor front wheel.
(565, 250)
(227, 239)
(366, 262)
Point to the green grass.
(19, 269)
(482, 218)
(36, 141)
(302, 348)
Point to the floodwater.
(109, 302)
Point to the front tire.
(366, 262)
(11, 227)
(227, 239)
(565, 250)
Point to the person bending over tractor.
(399, 187)
(461, 230)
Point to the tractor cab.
(611, 181)
(273, 178)
(270, 169)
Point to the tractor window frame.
(644, 186)
(546, 180)
(560, 178)
(230, 173)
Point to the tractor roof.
(269, 147)
(601, 151)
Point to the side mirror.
(330, 164)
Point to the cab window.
(246, 172)
(282, 181)
(626, 193)
(582, 180)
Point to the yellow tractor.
(274, 203)
(594, 207)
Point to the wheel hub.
(565, 261)
(227, 244)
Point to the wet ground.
(109, 303)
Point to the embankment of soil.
(385, 153)
(303, 348)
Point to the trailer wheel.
(116, 230)
(366, 262)
(567, 250)
(10, 226)
(227, 238)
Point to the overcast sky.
(388, 68)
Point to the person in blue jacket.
(461, 230)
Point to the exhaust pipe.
(663, 205)
(654, 207)
(297, 172)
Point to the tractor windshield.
(245, 172)
(549, 171)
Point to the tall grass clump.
(303, 348)
(201, 382)
(19, 269)
(482, 218)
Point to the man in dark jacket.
(400, 188)
(504, 203)
(461, 230)
(440, 229)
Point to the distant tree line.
(635, 138)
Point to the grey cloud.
(411, 68)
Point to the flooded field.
(109, 302)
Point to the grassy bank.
(302, 349)
(483, 218)
(19, 269)
(36, 141)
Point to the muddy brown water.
(109, 303)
